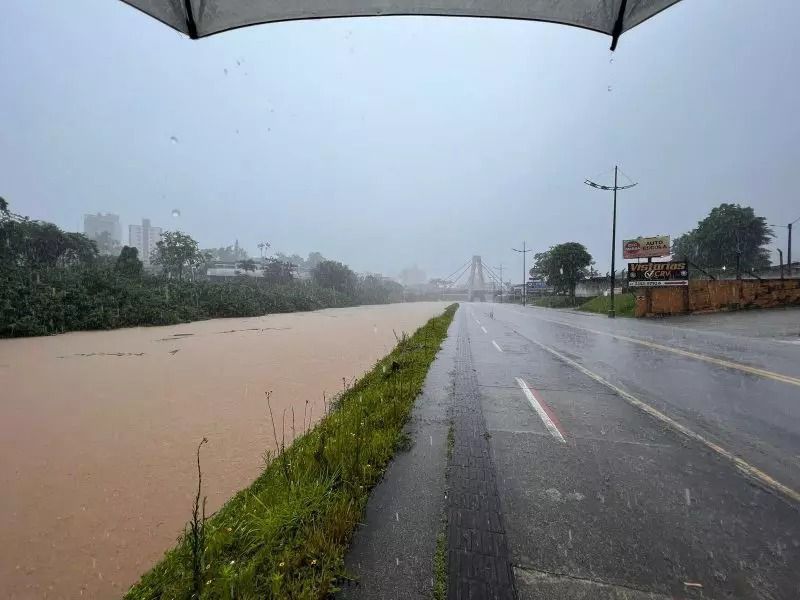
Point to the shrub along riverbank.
(44, 302)
(286, 535)
(53, 281)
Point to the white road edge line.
(739, 463)
(484, 329)
(551, 427)
(499, 349)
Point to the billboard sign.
(658, 274)
(648, 247)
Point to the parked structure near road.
(714, 296)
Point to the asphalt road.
(631, 459)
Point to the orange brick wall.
(714, 296)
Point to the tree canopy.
(728, 230)
(177, 251)
(563, 265)
(128, 263)
(334, 275)
(277, 272)
(314, 258)
(38, 244)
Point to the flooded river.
(98, 432)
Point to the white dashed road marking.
(484, 329)
(499, 349)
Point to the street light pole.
(615, 188)
(611, 311)
(524, 251)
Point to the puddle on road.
(96, 454)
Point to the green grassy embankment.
(623, 305)
(554, 301)
(286, 535)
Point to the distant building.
(95, 225)
(412, 276)
(144, 237)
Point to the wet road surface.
(631, 459)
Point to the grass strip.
(554, 301)
(623, 304)
(440, 556)
(286, 535)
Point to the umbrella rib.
(191, 25)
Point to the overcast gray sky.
(385, 142)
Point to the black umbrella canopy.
(199, 18)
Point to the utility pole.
(524, 251)
(615, 188)
(789, 244)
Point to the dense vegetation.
(563, 265)
(729, 233)
(53, 281)
(286, 535)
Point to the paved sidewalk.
(392, 552)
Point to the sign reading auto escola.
(646, 247)
(658, 274)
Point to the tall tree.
(563, 265)
(176, 252)
(332, 274)
(37, 244)
(128, 263)
(729, 230)
(278, 272)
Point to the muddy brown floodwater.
(98, 432)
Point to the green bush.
(98, 296)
